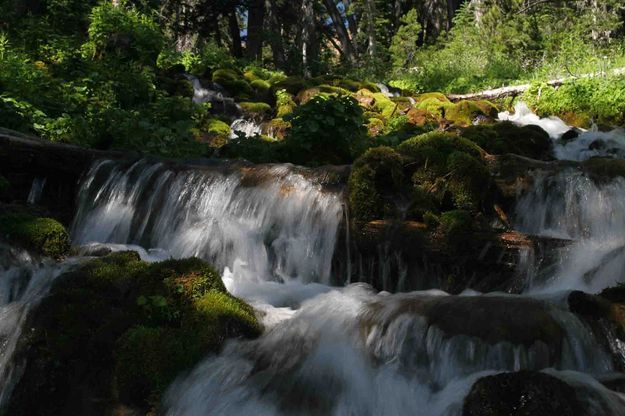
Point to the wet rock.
(569, 136)
(524, 393)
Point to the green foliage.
(455, 222)
(42, 235)
(284, 103)
(326, 131)
(136, 325)
(123, 32)
(375, 177)
(256, 110)
(602, 99)
(404, 42)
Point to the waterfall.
(36, 190)
(246, 128)
(271, 222)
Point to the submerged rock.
(524, 393)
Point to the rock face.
(524, 393)
(24, 159)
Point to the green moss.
(456, 222)
(43, 235)
(278, 128)
(436, 147)
(134, 326)
(375, 177)
(506, 137)
(217, 127)
(261, 86)
(440, 97)
(384, 105)
(284, 103)
(435, 106)
(371, 86)
(375, 126)
(256, 110)
(463, 113)
(234, 82)
(447, 170)
(292, 84)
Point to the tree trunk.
(308, 26)
(235, 33)
(275, 35)
(341, 31)
(371, 29)
(255, 20)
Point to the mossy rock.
(42, 235)
(371, 86)
(463, 113)
(262, 90)
(284, 103)
(375, 177)
(256, 110)
(217, 127)
(456, 222)
(234, 82)
(488, 109)
(118, 329)
(375, 126)
(440, 97)
(292, 85)
(435, 106)
(507, 137)
(384, 105)
(604, 170)
(420, 117)
(448, 170)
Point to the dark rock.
(569, 136)
(590, 306)
(525, 393)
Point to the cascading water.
(24, 282)
(328, 350)
(245, 128)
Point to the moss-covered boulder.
(119, 330)
(449, 170)
(214, 132)
(524, 393)
(42, 235)
(292, 84)
(375, 178)
(506, 137)
(276, 128)
(257, 111)
(375, 126)
(464, 112)
(234, 82)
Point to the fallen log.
(519, 89)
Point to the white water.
(36, 190)
(24, 281)
(327, 350)
(246, 128)
(590, 143)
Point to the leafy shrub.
(326, 131)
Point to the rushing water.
(273, 230)
(245, 128)
(24, 282)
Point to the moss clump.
(375, 126)
(463, 113)
(292, 84)
(216, 127)
(448, 170)
(438, 96)
(42, 235)
(255, 110)
(384, 105)
(234, 82)
(507, 137)
(261, 86)
(278, 128)
(456, 222)
(435, 106)
(374, 179)
(118, 329)
(284, 103)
